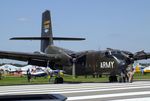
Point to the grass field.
(10, 80)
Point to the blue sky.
(119, 24)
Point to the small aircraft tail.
(46, 33)
(46, 30)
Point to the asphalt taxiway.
(139, 90)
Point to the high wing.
(40, 59)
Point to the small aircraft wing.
(22, 56)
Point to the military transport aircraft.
(110, 61)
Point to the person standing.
(1, 74)
(28, 75)
(130, 73)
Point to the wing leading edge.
(38, 58)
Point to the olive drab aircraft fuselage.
(110, 61)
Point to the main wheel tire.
(58, 80)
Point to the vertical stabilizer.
(46, 30)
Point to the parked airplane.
(138, 68)
(35, 71)
(147, 69)
(110, 61)
(38, 72)
(25, 68)
(9, 68)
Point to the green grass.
(139, 76)
(9, 80)
(22, 80)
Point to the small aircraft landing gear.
(58, 80)
(113, 79)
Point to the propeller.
(74, 59)
(141, 55)
(128, 56)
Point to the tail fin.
(46, 30)
(46, 33)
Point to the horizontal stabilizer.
(29, 38)
(47, 38)
(67, 38)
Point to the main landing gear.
(121, 78)
(58, 80)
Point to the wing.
(32, 58)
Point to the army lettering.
(107, 64)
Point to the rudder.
(46, 30)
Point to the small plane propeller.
(130, 57)
(141, 55)
(74, 60)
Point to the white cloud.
(22, 19)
